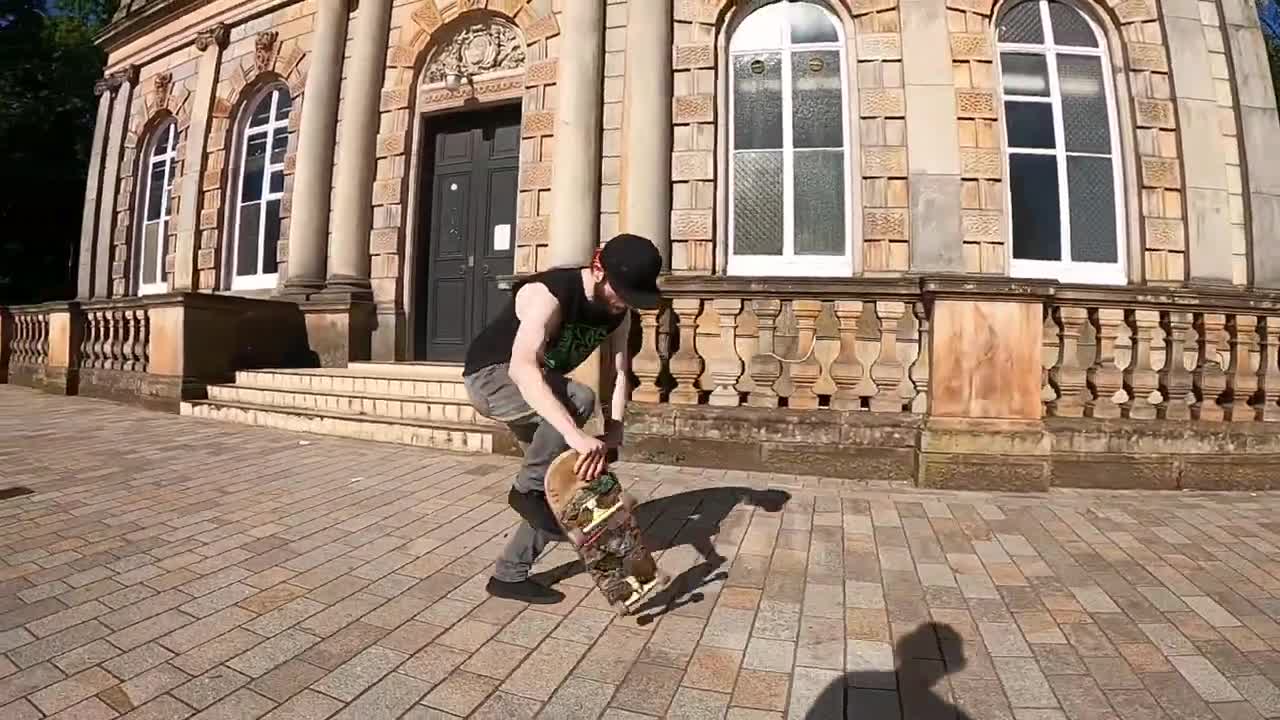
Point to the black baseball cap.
(632, 265)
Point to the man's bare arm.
(538, 312)
(622, 368)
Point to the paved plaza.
(164, 567)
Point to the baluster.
(86, 361)
(1269, 370)
(805, 374)
(1140, 378)
(28, 332)
(764, 368)
(104, 337)
(130, 360)
(726, 370)
(647, 364)
(1210, 381)
(686, 365)
(1175, 380)
(1104, 377)
(144, 341)
(920, 368)
(1068, 376)
(1242, 381)
(117, 350)
(19, 337)
(846, 369)
(1049, 351)
(887, 370)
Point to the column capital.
(112, 81)
(215, 36)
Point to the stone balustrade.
(115, 338)
(29, 346)
(1175, 356)
(792, 344)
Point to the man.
(516, 371)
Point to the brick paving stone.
(647, 689)
(150, 684)
(1261, 693)
(359, 673)
(714, 669)
(1082, 699)
(461, 693)
(544, 669)
(387, 700)
(137, 661)
(272, 652)
(65, 693)
(495, 659)
(243, 704)
(612, 655)
(203, 691)
(306, 705)
(91, 709)
(215, 652)
(763, 690)
(1212, 685)
(343, 645)
(1024, 683)
(578, 699)
(58, 644)
(434, 663)
(1004, 640)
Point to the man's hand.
(591, 456)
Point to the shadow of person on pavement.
(694, 518)
(924, 656)
(688, 518)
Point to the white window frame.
(169, 132)
(788, 264)
(1065, 270)
(258, 280)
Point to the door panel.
(473, 176)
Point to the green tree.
(48, 67)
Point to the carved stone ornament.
(113, 81)
(218, 35)
(162, 84)
(264, 50)
(482, 47)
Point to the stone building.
(963, 242)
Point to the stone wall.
(162, 92)
(269, 49)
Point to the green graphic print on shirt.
(576, 344)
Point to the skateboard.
(598, 519)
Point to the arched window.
(789, 199)
(1065, 186)
(157, 177)
(256, 212)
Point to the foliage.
(48, 67)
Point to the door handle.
(484, 270)
(462, 271)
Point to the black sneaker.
(524, 591)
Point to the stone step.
(461, 437)
(393, 406)
(356, 381)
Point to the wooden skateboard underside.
(598, 518)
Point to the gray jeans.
(495, 396)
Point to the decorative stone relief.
(218, 35)
(477, 49)
(161, 85)
(264, 50)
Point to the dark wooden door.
(473, 185)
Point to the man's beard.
(597, 302)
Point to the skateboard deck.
(598, 519)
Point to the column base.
(349, 284)
(992, 455)
(301, 288)
(340, 327)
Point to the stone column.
(575, 167)
(93, 187)
(1259, 126)
(121, 84)
(210, 43)
(647, 143)
(353, 212)
(1208, 218)
(933, 138)
(313, 180)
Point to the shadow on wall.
(924, 656)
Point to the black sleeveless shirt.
(583, 326)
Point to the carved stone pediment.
(162, 84)
(485, 46)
